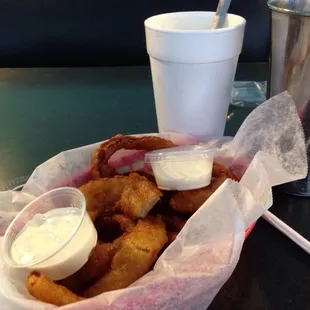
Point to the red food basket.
(248, 231)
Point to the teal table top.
(44, 111)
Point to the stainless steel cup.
(290, 65)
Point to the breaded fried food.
(111, 227)
(173, 223)
(138, 198)
(42, 288)
(101, 156)
(172, 235)
(107, 228)
(125, 223)
(218, 170)
(149, 176)
(102, 195)
(135, 256)
(188, 202)
(96, 266)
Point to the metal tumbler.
(290, 65)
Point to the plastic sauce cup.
(182, 168)
(74, 248)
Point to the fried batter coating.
(189, 202)
(149, 176)
(42, 288)
(173, 223)
(111, 227)
(101, 156)
(172, 235)
(96, 266)
(125, 223)
(103, 194)
(136, 254)
(138, 198)
(218, 170)
(107, 228)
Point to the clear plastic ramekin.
(71, 254)
(182, 168)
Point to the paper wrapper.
(268, 150)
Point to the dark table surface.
(273, 272)
(45, 111)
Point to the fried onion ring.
(110, 228)
(100, 259)
(101, 156)
(188, 202)
(136, 254)
(44, 289)
(96, 266)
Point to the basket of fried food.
(135, 222)
(157, 248)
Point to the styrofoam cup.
(193, 69)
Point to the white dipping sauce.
(183, 174)
(46, 233)
(183, 167)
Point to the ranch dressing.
(182, 168)
(38, 244)
(44, 234)
(181, 175)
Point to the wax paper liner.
(268, 150)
